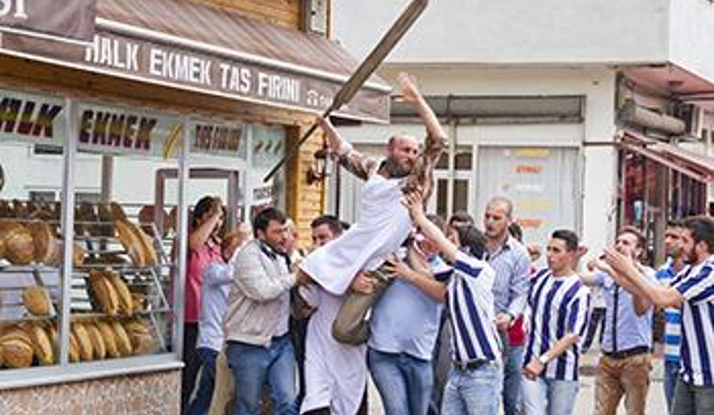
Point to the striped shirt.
(697, 287)
(557, 306)
(672, 316)
(471, 310)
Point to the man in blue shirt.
(693, 291)
(625, 365)
(672, 315)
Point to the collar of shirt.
(505, 247)
(269, 251)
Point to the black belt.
(627, 353)
(472, 365)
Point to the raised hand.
(410, 92)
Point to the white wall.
(692, 36)
(513, 31)
(594, 136)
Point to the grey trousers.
(351, 325)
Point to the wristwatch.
(543, 359)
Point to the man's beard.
(394, 169)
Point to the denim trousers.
(671, 372)
(549, 396)
(692, 400)
(255, 366)
(202, 398)
(512, 376)
(473, 391)
(404, 382)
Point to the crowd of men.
(513, 332)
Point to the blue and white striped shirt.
(557, 306)
(697, 351)
(672, 316)
(471, 310)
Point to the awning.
(212, 50)
(696, 166)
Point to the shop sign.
(31, 117)
(183, 67)
(71, 19)
(218, 139)
(115, 130)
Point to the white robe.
(335, 373)
(382, 227)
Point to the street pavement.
(586, 397)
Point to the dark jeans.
(201, 401)
(254, 367)
(597, 321)
(692, 400)
(191, 361)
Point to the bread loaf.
(86, 350)
(104, 292)
(109, 339)
(17, 354)
(44, 239)
(42, 345)
(18, 245)
(126, 305)
(123, 341)
(98, 345)
(130, 241)
(37, 300)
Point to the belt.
(627, 353)
(472, 365)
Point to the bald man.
(384, 223)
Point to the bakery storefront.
(105, 143)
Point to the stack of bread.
(138, 245)
(22, 242)
(110, 293)
(22, 344)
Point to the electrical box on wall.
(315, 16)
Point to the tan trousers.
(629, 376)
(351, 325)
(223, 387)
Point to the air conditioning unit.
(692, 116)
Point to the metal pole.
(70, 153)
(182, 240)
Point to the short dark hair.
(569, 237)
(516, 231)
(264, 217)
(472, 240)
(331, 221)
(702, 229)
(641, 240)
(675, 223)
(461, 216)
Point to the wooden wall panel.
(285, 13)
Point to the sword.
(364, 71)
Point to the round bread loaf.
(17, 354)
(18, 244)
(37, 300)
(44, 241)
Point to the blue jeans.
(549, 396)
(473, 392)
(690, 399)
(254, 366)
(201, 401)
(403, 381)
(512, 377)
(671, 371)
